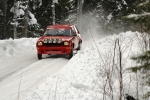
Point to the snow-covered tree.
(143, 68)
(71, 14)
(109, 13)
(141, 16)
(24, 19)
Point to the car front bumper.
(54, 50)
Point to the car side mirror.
(74, 34)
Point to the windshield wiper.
(61, 35)
(49, 35)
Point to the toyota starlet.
(59, 39)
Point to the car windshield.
(57, 32)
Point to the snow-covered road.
(29, 73)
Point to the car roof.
(65, 26)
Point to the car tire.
(79, 47)
(71, 54)
(39, 56)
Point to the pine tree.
(142, 16)
(25, 21)
(106, 12)
(143, 62)
(109, 13)
(71, 15)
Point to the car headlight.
(45, 41)
(50, 40)
(54, 40)
(40, 43)
(59, 40)
(66, 43)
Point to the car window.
(74, 31)
(57, 32)
(77, 30)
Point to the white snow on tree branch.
(40, 2)
(109, 17)
(55, 1)
(132, 16)
(138, 15)
(144, 3)
(19, 10)
(124, 2)
(33, 19)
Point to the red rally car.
(59, 39)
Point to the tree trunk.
(4, 33)
(15, 18)
(120, 72)
(79, 14)
(53, 12)
(25, 29)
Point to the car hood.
(64, 38)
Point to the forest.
(28, 18)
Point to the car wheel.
(79, 47)
(39, 56)
(71, 54)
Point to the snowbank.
(17, 47)
(93, 73)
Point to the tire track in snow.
(31, 75)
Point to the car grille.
(53, 44)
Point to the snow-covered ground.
(20, 68)
(92, 74)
